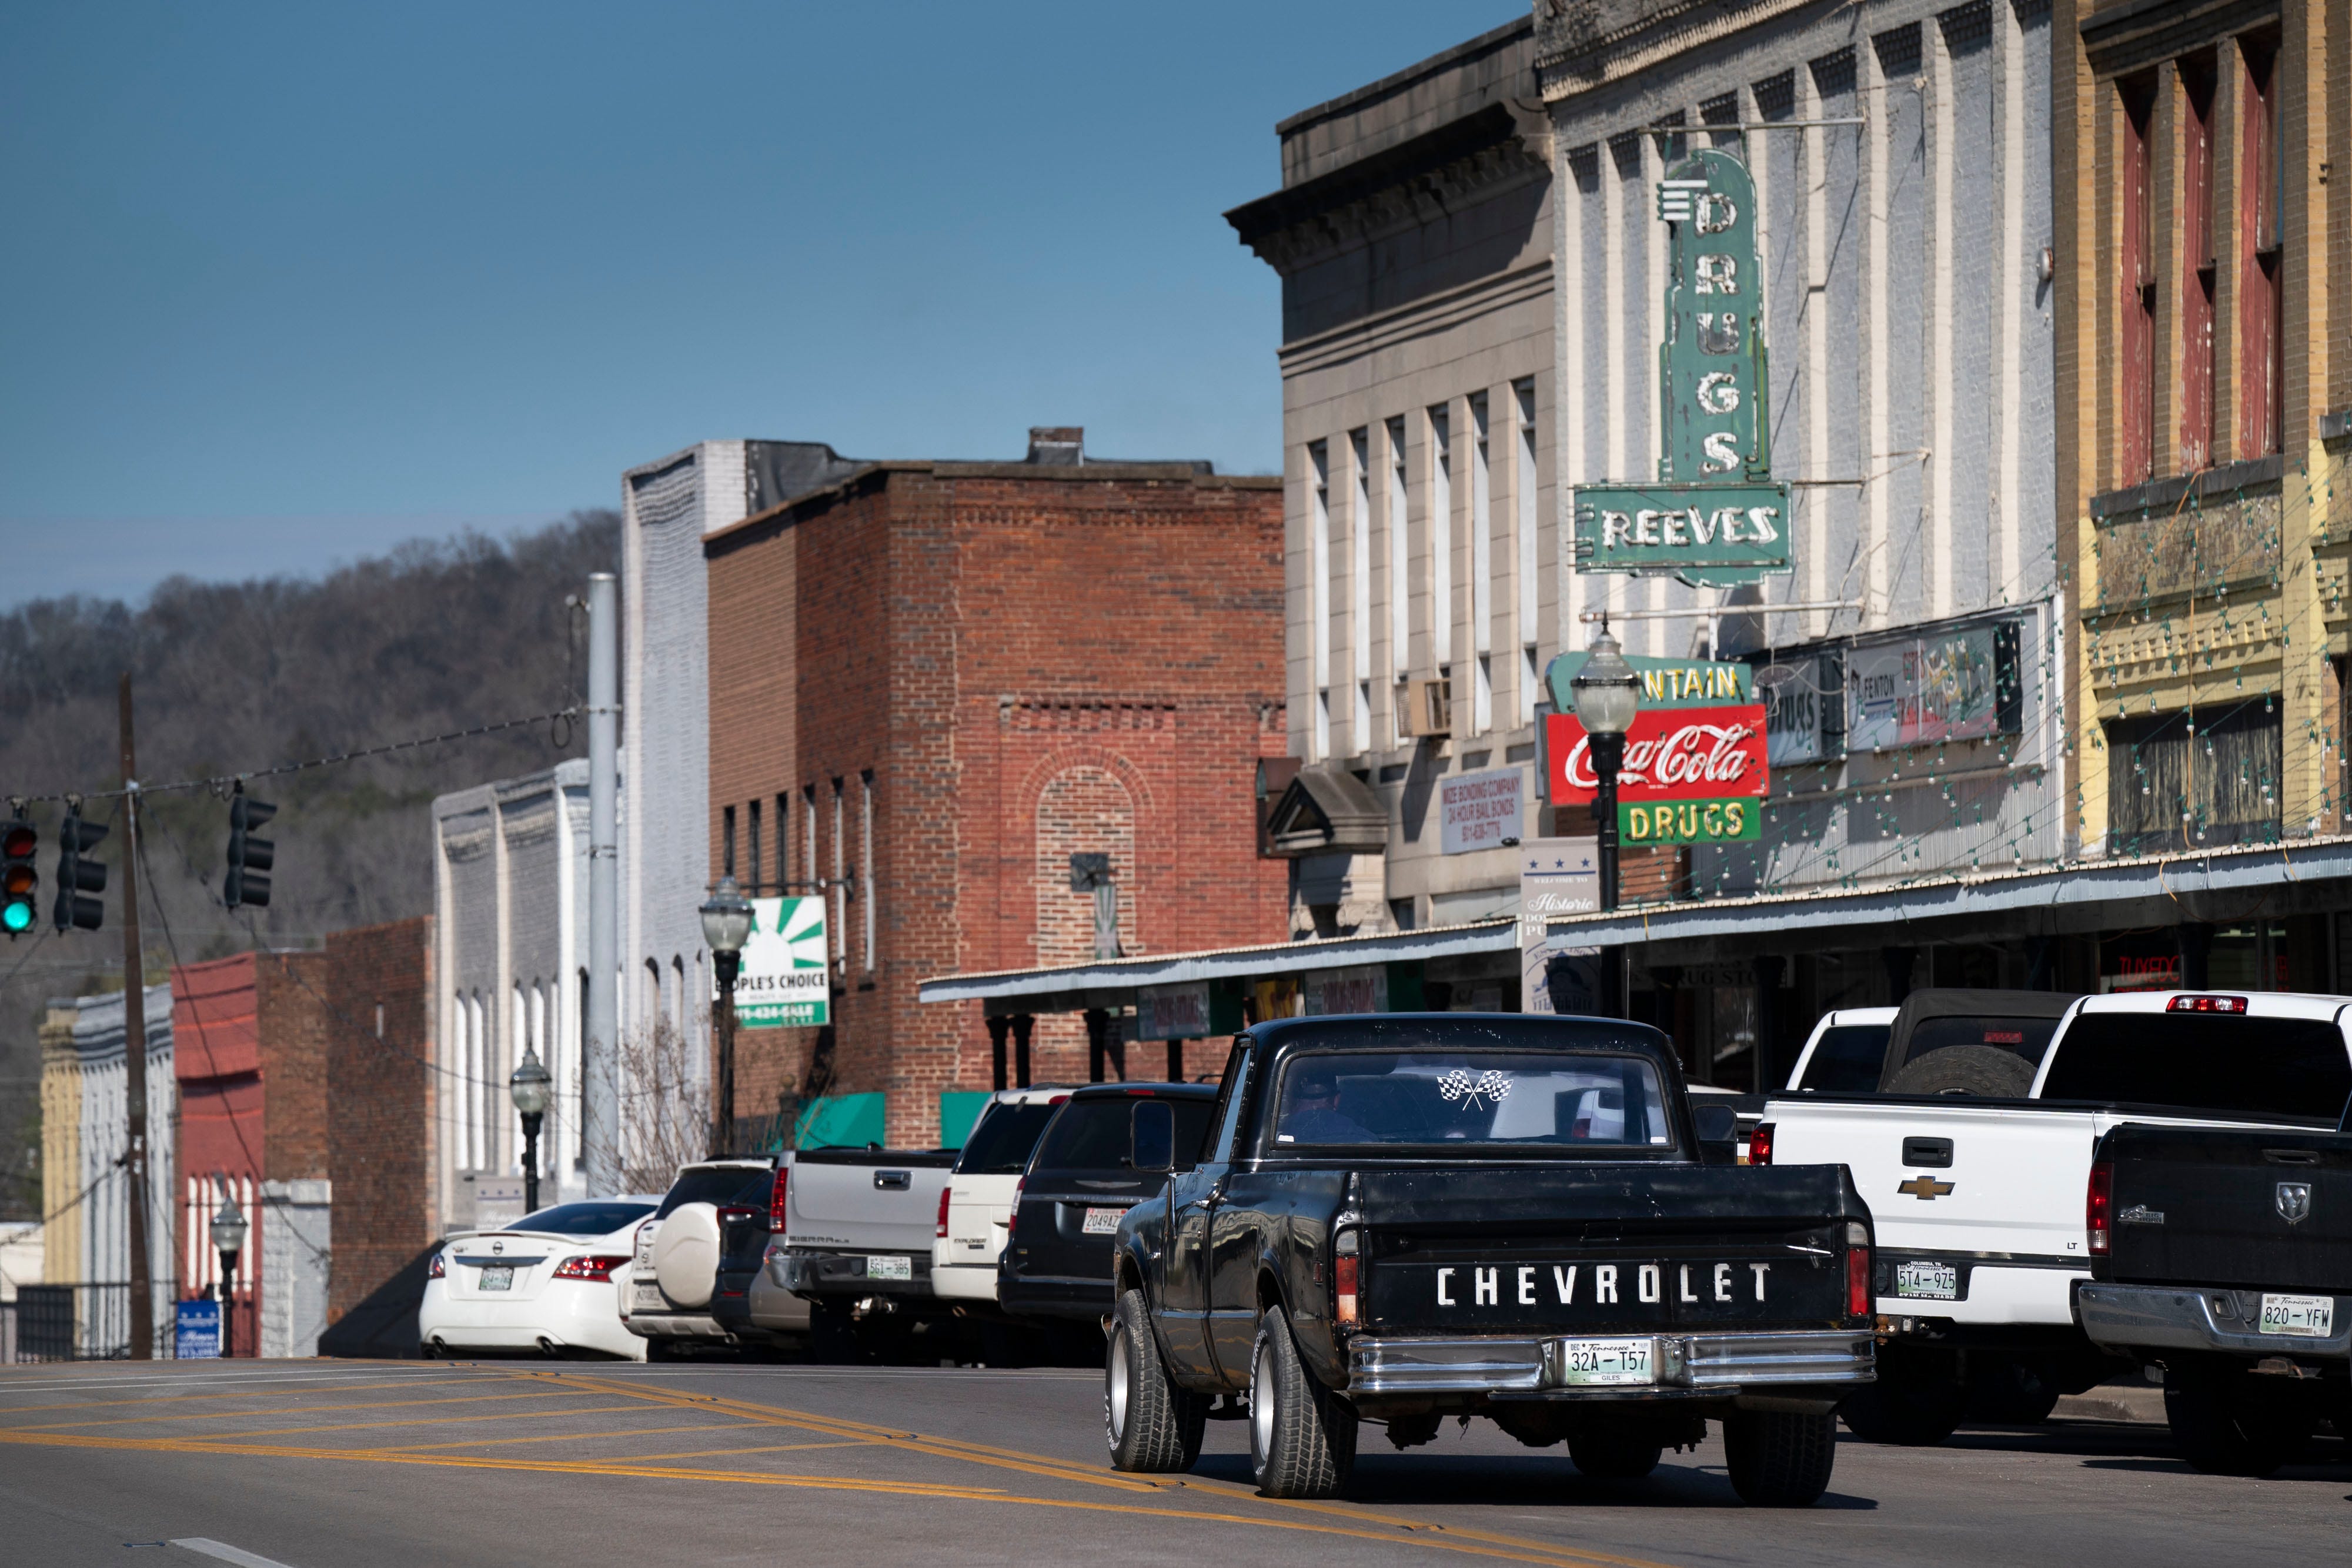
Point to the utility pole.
(135, 1048)
(600, 1110)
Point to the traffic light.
(20, 878)
(249, 857)
(76, 875)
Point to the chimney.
(1057, 445)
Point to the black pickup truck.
(2224, 1257)
(1399, 1218)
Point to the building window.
(808, 835)
(1441, 540)
(2261, 293)
(1319, 590)
(1400, 563)
(866, 896)
(1360, 577)
(726, 842)
(840, 870)
(2135, 287)
(783, 841)
(1482, 565)
(758, 863)
(1523, 396)
(579, 1080)
(2196, 264)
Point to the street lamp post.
(725, 925)
(528, 1085)
(228, 1239)
(1608, 697)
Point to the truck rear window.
(1005, 1138)
(1848, 1058)
(724, 1184)
(2204, 1061)
(1095, 1135)
(1476, 1097)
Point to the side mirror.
(1153, 1128)
(1719, 1133)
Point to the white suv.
(675, 1271)
(976, 1209)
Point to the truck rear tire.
(1302, 1436)
(1915, 1401)
(1778, 1459)
(1614, 1456)
(2232, 1423)
(1981, 1070)
(1151, 1423)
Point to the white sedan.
(550, 1282)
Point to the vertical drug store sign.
(1695, 769)
(1715, 519)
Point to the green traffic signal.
(20, 878)
(15, 917)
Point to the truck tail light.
(2206, 1004)
(1012, 1217)
(1760, 1143)
(588, 1266)
(439, 1268)
(2098, 1206)
(1347, 1270)
(1858, 1302)
(942, 1232)
(776, 1200)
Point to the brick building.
(381, 1085)
(252, 1083)
(932, 683)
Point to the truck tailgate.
(2206, 1207)
(1951, 1175)
(866, 1200)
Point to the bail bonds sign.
(1715, 519)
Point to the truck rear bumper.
(811, 1273)
(2192, 1317)
(1687, 1363)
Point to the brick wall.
(380, 1100)
(1028, 661)
(291, 1015)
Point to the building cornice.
(1581, 44)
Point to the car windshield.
(2230, 1065)
(1005, 1138)
(1847, 1059)
(1475, 1096)
(1094, 1135)
(584, 1218)
(718, 1184)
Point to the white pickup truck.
(1979, 1203)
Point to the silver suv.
(674, 1273)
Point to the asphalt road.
(504, 1463)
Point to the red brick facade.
(1019, 662)
(379, 1152)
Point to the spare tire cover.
(685, 1254)
(1984, 1070)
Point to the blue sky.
(287, 285)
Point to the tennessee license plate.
(878, 1267)
(1590, 1362)
(2304, 1317)
(1928, 1281)
(499, 1277)
(1102, 1221)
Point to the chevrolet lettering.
(1404, 1217)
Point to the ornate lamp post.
(725, 925)
(1608, 697)
(228, 1239)
(528, 1084)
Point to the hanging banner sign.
(1957, 682)
(1715, 517)
(1173, 1012)
(1671, 754)
(1362, 989)
(784, 982)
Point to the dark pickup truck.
(1399, 1218)
(2224, 1257)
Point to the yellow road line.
(273, 1389)
(1441, 1537)
(428, 1421)
(588, 1438)
(289, 1410)
(723, 1453)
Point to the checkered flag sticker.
(1678, 200)
(1474, 1093)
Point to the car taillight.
(1014, 1218)
(1760, 1143)
(943, 1232)
(438, 1268)
(2098, 1203)
(735, 1213)
(1857, 1269)
(776, 1199)
(1347, 1268)
(588, 1266)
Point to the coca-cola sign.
(1671, 754)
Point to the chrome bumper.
(2213, 1317)
(1709, 1362)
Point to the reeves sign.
(1671, 754)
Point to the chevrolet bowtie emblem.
(1924, 1187)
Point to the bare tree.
(665, 1106)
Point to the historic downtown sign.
(1715, 517)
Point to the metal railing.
(75, 1322)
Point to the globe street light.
(528, 1085)
(1607, 694)
(228, 1239)
(726, 925)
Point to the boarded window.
(2186, 781)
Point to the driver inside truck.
(1312, 1113)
